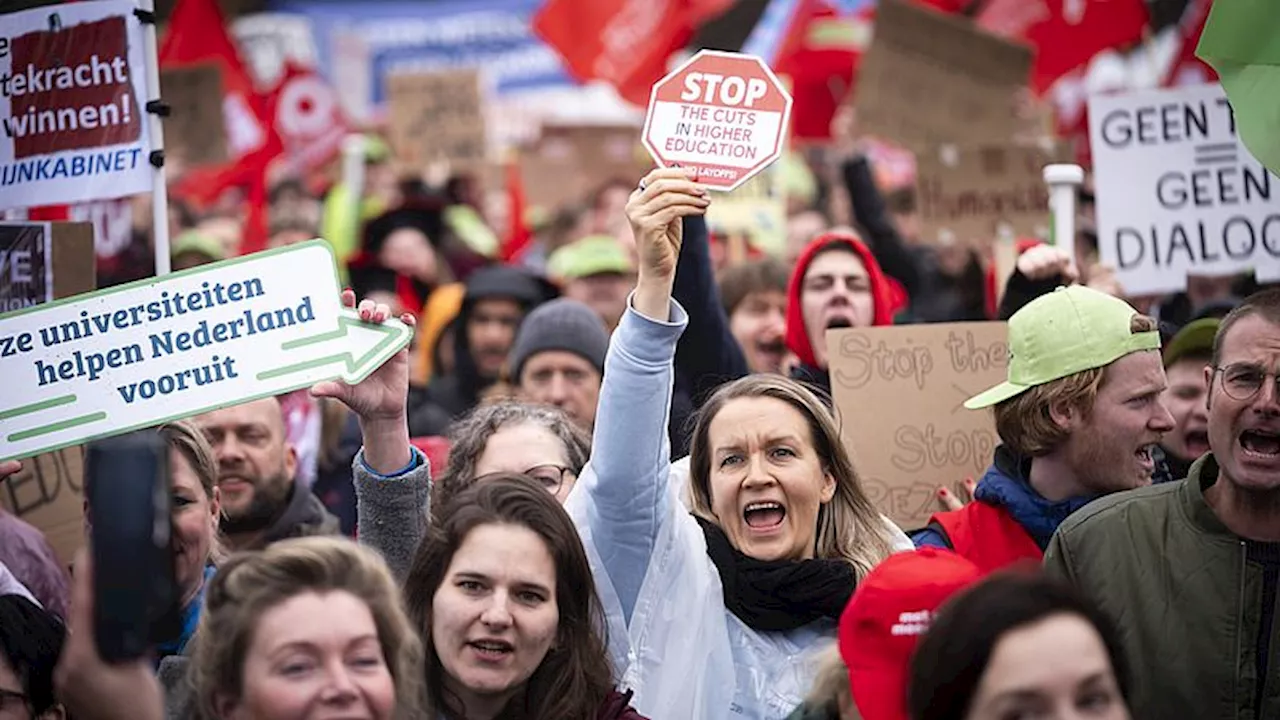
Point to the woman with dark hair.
(503, 594)
(31, 640)
(1019, 645)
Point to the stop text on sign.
(724, 114)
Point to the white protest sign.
(1177, 192)
(72, 104)
(723, 113)
(157, 350)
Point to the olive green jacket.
(1186, 601)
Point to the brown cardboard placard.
(569, 162)
(967, 192)
(931, 78)
(435, 116)
(48, 491)
(900, 395)
(194, 131)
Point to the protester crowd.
(606, 482)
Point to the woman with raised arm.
(720, 608)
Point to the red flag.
(624, 42)
(1187, 69)
(1065, 33)
(198, 34)
(820, 54)
(307, 117)
(518, 236)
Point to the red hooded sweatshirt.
(882, 294)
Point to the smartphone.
(135, 596)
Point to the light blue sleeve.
(628, 475)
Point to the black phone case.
(135, 598)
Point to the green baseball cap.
(594, 255)
(1194, 337)
(1067, 331)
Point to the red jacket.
(988, 536)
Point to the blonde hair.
(187, 439)
(1025, 423)
(831, 690)
(250, 584)
(849, 526)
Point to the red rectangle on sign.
(71, 89)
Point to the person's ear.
(1208, 383)
(57, 712)
(828, 486)
(1064, 414)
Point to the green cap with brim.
(1196, 337)
(1241, 40)
(1067, 331)
(194, 241)
(594, 255)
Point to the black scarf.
(778, 595)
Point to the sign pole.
(1063, 180)
(155, 127)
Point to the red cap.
(891, 609)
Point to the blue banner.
(492, 35)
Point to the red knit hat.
(892, 607)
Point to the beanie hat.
(562, 324)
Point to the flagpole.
(155, 128)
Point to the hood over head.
(798, 340)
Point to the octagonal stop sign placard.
(723, 113)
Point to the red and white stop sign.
(723, 113)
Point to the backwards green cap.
(589, 256)
(1067, 331)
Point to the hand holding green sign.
(141, 354)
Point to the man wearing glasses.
(1190, 570)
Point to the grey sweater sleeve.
(392, 512)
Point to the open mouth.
(1263, 443)
(764, 515)
(839, 322)
(491, 650)
(1197, 442)
(771, 347)
(1145, 457)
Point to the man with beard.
(836, 283)
(1079, 417)
(494, 304)
(1185, 358)
(1191, 569)
(261, 501)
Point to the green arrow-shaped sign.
(149, 352)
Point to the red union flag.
(723, 113)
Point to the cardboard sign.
(967, 193)
(1177, 192)
(152, 351)
(26, 265)
(931, 78)
(569, 162)
(900, 393)
(48, 491)
(194, 131)
(724, 113)
(437, 116)
(756, 211)
(74, 80)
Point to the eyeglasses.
(550, 476)
(1242, 381)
